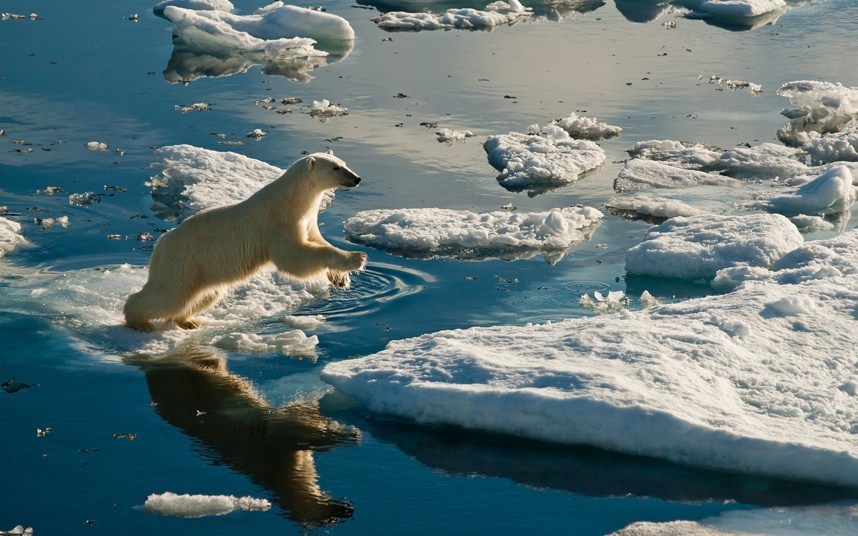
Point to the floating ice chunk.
(192, 506)
(540, 162)
(17, 530)
(257, 134)
(647, 205)
(766, 160)
(739, 8)
(608, 303)
(291, 343)
(588, 128)
(834, 147)
(648, 300)
(643, 174)
(835, 258)
(447, 135)
(711, 382)
(697, 247)
(10, 236)
(830, 193)
(192, 179)
(304, 322)
(671, 528)
(433, 232)
(684, 154)
(495, 14)
(283, 20)
(324, 110)
(811, 224)
(819, 108)
(47, 223)
(97, 146)
(214, 5)
(196, 107)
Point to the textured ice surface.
(818, 108)
(639, 174)
(589, 128)
(684, 154)
(436, 232)
(739, 8)
(697, 247)
(192, 506)
(841, 146)
(495, 14)
(291, 343)
(216, 5)
(539, 162)
(830, 193)
(754, 381)
(648, 205)
(10, 235)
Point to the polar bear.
(194, 264)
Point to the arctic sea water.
(92, 428)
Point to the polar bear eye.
(337, 168)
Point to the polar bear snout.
(349, 179)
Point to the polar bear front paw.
(189, 323)
(357, 261)
(339, 279)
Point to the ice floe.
(495, 14)
(640, 174)
(683, 154)
(193, 506)
(830, 193)
(541, 160)
(287, 40)
(648, 205)
(841, 146)
(10, 235)
(697, 247)
(589, 128)
(324, 110)
(738, 8)
(449, 136)
(818, 108)
(753, 381)
(437, 232)
(215, 5)
(291, 343)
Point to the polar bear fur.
(194, 264)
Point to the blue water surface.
(207, 421)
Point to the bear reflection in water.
(194, 391)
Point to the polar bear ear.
(311, 163)
(330, 151)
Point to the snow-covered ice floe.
(652, 206)
(287, 40)
(215, 5)
(450, 136)
(761, 380)
(736, 14)
(542, 159)
(324, 110)
(292, 343)
(438, 232)
(838, 147)
(495, 14)
(639, 174)
(10, 235)
(697, 247)
(192, 506)
(830, 193)
(818, 108)
(589, 128)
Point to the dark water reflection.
(581, 470)
(194, 391)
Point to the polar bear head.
(328, 171)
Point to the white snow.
(431, 232)
(739, 8)
(538, 162)
(697, 247)
(10, 236)
(829, 193)
(611, 302)
(193, 506)
(639, 174)
(670, 528)
(304, 322)
(841, 146)
(767, 160)
(291, 343)
(215, 5)
(589, 128)
(748, 381)
(684, 154)
(647, 205)
(193, 178)
(495, 14)
(819, 108)
(448, 135)
(283, 20)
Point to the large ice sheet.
(436, 232)
(495, 14)
(10, 236)
(697, 247)
(541, 161)
(761, 380)
(818, 108)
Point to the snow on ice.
(647, 205)
(544, 159)
(193, 506)
(588, 128)
(495, 14)
(291, 343)
(10, 235)
(705, 382)
(435, 232)
(697, 247)
(818, 108)
(830, 193)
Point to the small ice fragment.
(193, 506)
(97, 146)
(84, 199)
(324, 110)
(257, 134)
(49, 190)
(196, 107)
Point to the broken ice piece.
(97, 146)
(257, 134)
